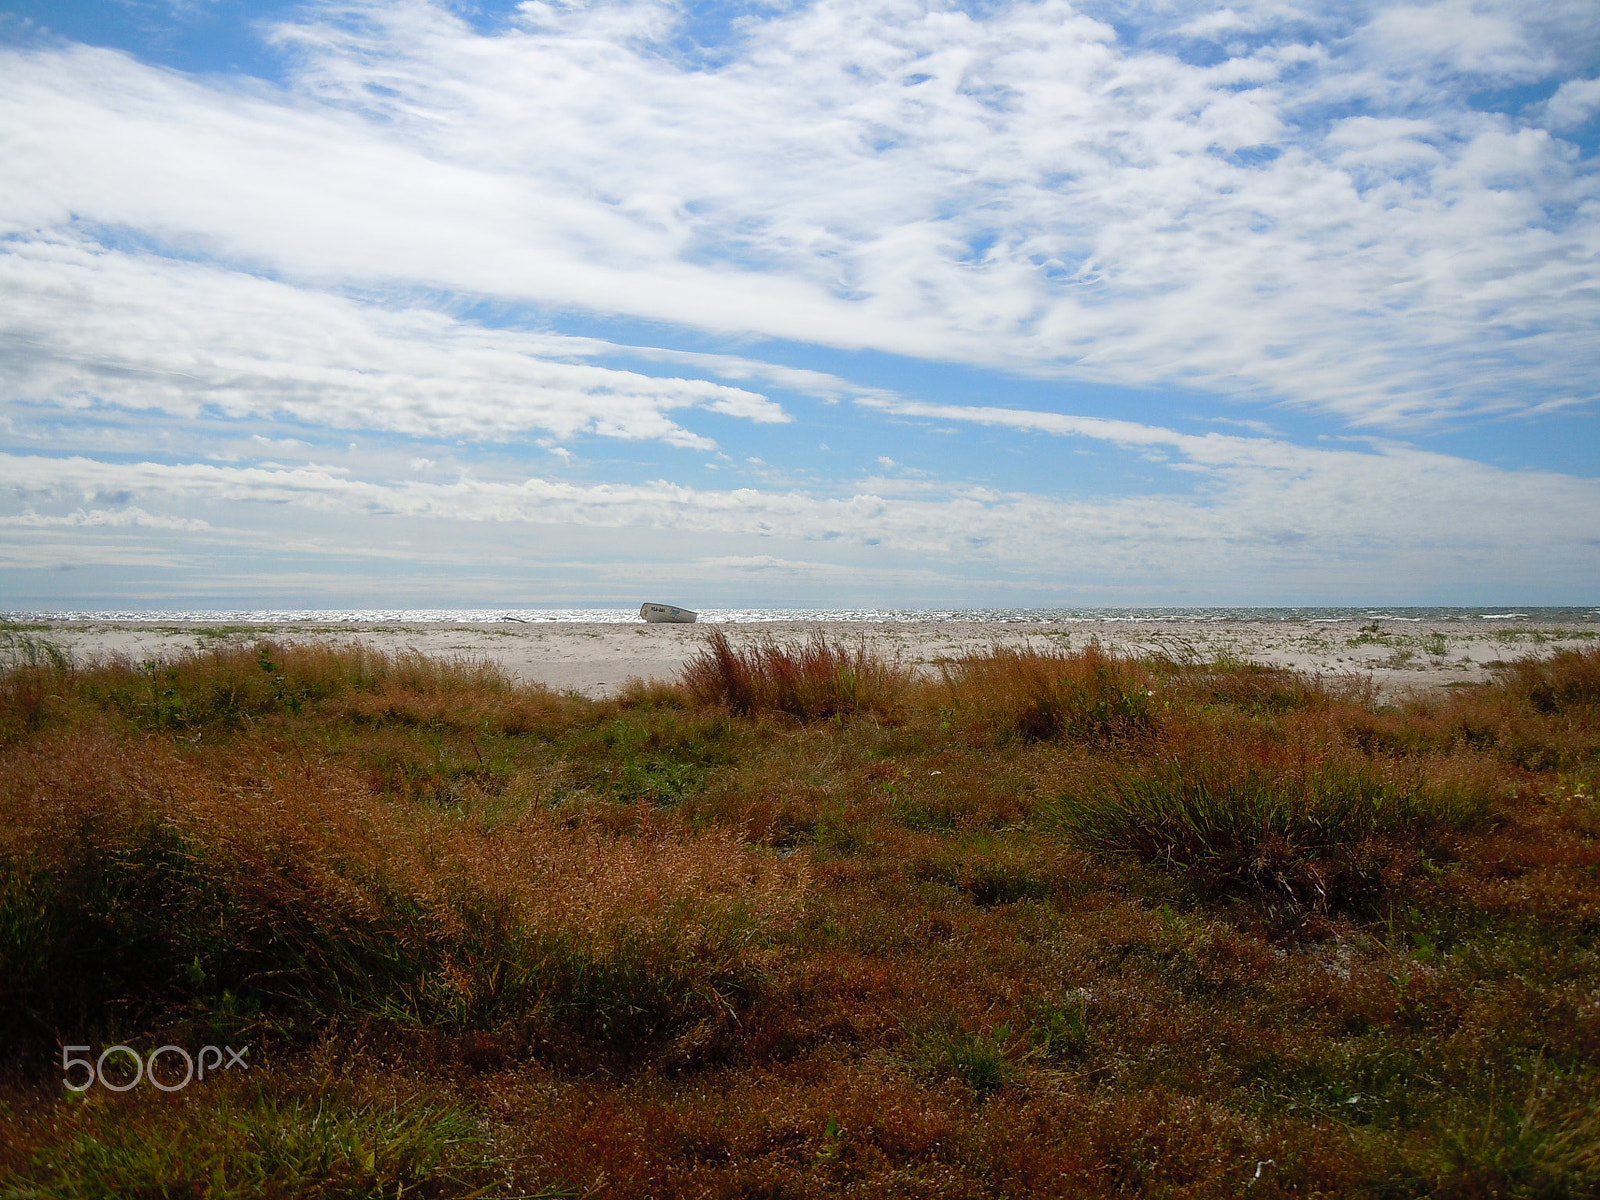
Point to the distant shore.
(596, 659)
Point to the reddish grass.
(1568, 681)
(700, 943)
(817, 678)
(1088, 695)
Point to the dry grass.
(817, 678)
(1566, 682)
(1046, 924)
(250, 869)
(1090, 695)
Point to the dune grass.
(1317, 836)
(145, 876)
(1036, 695)
(801, 922)
(818, 678)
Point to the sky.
(425, 303)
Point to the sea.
(1583, 614)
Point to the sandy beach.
(597, 659)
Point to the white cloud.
(757, 562)
(120, 518)
(1017, 189)
(1264, 511)
(1221, 22)
(80, 324)
(1459, 37)
(1574, 103)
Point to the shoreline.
(596, 659)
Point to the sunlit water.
(624, 616)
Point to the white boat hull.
(667, 614)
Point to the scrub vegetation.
(802, 922)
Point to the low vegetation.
(817, 679)
(801, 922)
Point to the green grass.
(250, 1146)
(982, 1060)
(1059, 1028)
(1318, 837)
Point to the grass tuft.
(817, 678)
(1037, 695)
(1565, 682)
(983, 1060)
(1321, 836)
(132, 890)
(33, 672)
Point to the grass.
(264, 1145)
(145, 874)
(982, 1060)
(1038, 695)
(1567, 682)
(1319, 836)
(818, 678)
(801, 922)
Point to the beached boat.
(668, 614)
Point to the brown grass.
(817, 678)
(1090, 695)
(1568, 681)
(1045, 924)
(319, 894)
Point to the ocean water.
(622, 616)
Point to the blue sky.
(412, 303)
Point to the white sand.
(597, 659)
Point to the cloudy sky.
(815, 302)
